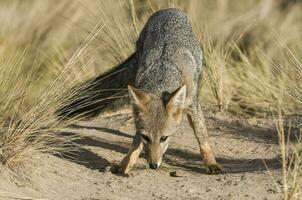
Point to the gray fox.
(165, 75)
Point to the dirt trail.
(242, 147)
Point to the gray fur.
(167, 48)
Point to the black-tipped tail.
(97, 94)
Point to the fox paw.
(214, 169)
(116, 169)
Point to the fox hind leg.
(131, 158)
(197, 122)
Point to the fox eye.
(164, 138)
(146, 138)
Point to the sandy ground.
(246, 148)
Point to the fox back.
(169, 67)
(167, 49)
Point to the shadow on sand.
(186, 160)
(256, 133)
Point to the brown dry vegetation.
(252, 52)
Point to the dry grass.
(291, 162)
(252, 53)
(29, 126)
(292, 152)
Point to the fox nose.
(153, 165)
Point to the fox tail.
(102, 92)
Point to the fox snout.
(155, 152)
(153, 165)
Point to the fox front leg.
(197, 122)
(131, 158)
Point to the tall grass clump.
(33, 86)
(291, 152)
(291, 155)
(29, 127)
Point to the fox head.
(156, 119)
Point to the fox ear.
(138, 97)
(176, 102)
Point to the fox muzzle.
(153, 165)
